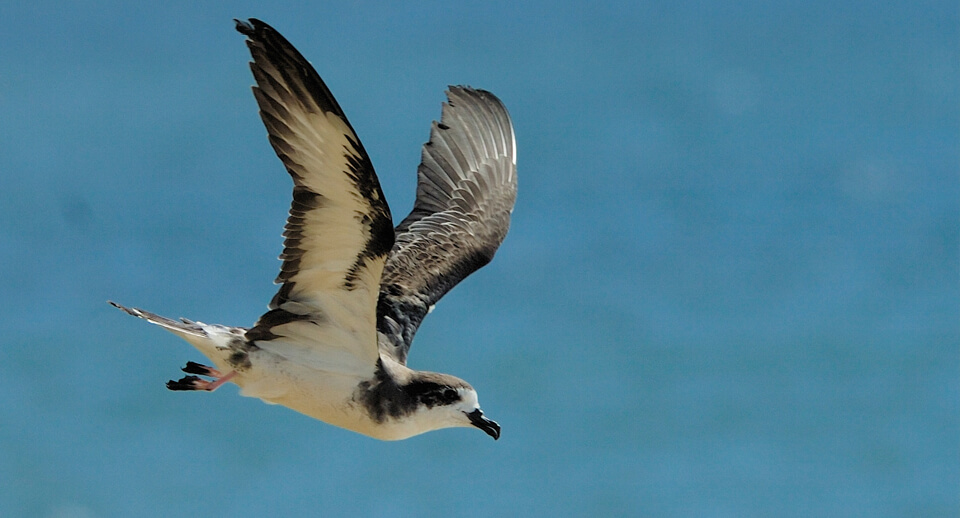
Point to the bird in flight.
(354, 289)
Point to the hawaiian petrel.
(354, 289)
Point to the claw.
(195, 383)
(202, 370)
(187, 383)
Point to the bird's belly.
(297, 386)
(326, 395)
(320, 394)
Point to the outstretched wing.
(339, 230)
(466, 187)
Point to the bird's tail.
(183, 327)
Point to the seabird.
(354, 289)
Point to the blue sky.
(730, 287)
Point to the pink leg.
(203, 370)
(213, 385)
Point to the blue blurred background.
(730, 289)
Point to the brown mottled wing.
(466, 188)
(339, 230)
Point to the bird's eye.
(450, 395)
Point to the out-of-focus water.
(730, 289)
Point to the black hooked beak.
(490, 427)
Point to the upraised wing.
(339, 230)
(466, 188)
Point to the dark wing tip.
(270, 50)
(259, 33)
(243, 27)
(252, 27)
(130, 311)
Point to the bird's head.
(450, 402)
